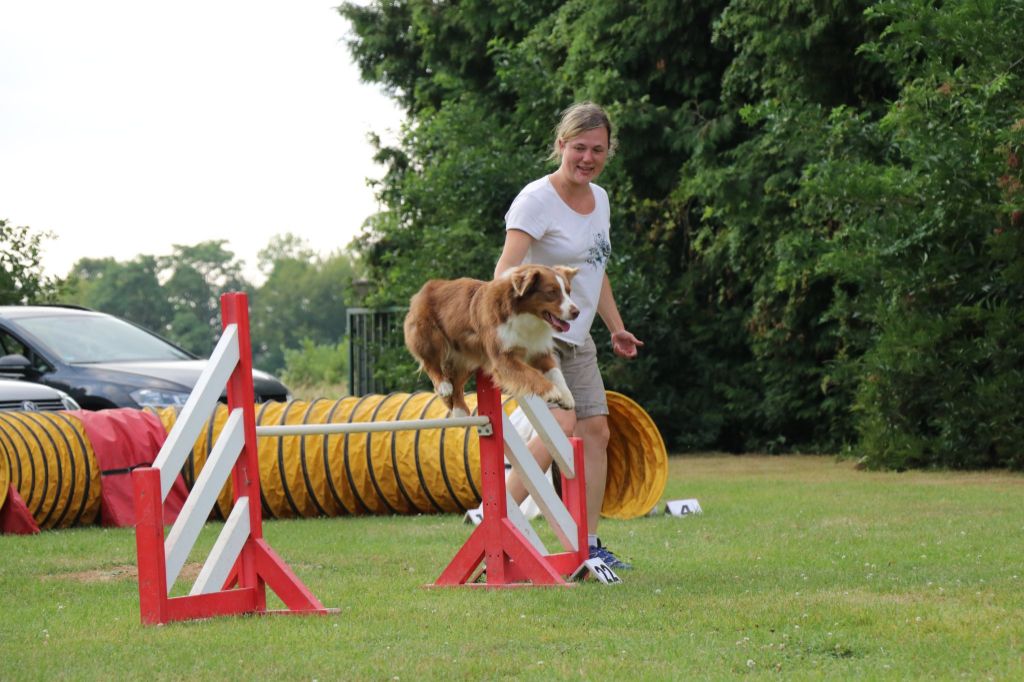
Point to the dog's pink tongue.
(558, 324)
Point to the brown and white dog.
(504, 326)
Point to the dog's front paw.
(566, 401)
(560, 397)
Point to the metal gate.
(372, 332)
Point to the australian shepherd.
(504, 326)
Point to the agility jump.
(241, 564)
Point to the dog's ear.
(566, 271)
(522, 280)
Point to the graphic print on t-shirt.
(598, 253)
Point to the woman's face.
(584, 156)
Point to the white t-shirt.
(564, 237)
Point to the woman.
(564, 219)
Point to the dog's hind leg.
(458, 407)
(443, 388)
(446, 391)
(442, 385)
(427, 344)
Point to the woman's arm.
(517, 243)
(623, 342)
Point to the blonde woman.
(564, 219)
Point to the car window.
(12, 346)
(98, 338)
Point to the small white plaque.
(682, 507)
(474, 516)
(599, 569)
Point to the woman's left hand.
(625, 344)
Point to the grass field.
(799, 568)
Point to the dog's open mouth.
(559, 325)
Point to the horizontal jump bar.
(364, 427)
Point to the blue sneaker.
(613, 562)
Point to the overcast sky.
(127, 126)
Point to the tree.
(196, 276)
(467, 153)
(302, 300)
(482, 113)
(130, 290)
(22, 279)
(300, 304)
(930, 238)
(817, 205)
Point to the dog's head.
(545, 292)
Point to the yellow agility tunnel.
(52, 461)
(411, 472)
(48, 459)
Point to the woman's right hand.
(625, 344)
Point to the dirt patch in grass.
(112, 573)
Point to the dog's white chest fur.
(528, 332)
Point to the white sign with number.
(599, 569)
(682, 507)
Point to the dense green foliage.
(931, 238)
(817, 206)
(302, 302)
(297, 313)
(21, 272)
(316, 364)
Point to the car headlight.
(68, 402)
(152, 397)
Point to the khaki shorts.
(583, 377)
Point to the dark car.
(103, 361)
(28, 397)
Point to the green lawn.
(799, 568)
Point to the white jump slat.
(544, 423)
(557, 516)
(518, 519)
(225, 551)
(198, 408)
(200, 501)
(365, 427)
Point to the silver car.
(29, 397)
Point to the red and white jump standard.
(240, 557)
(504, 542)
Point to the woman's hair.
(579, 118)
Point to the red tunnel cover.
(15, 518)
(123, 440)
